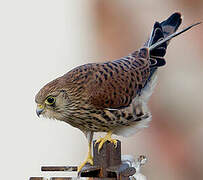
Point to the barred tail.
(162, 42)
(157, 54)
(160, 37)
(161, 31)
(171, 25)
(161, 34)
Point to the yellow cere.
(40, 106)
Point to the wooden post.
(107, 165)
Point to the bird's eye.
(50, 100)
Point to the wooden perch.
(107, 165)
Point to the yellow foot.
(101, 141)
(88, 160)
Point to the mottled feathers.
(110, 96)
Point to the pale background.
(43, 39)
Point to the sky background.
(43, 39)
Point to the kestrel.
(112, 96)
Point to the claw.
(101, 141)
(88, 160)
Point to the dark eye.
(50, 100)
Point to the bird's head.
(52, 100)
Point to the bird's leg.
(89, 158)
(101, 141)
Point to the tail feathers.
(157, 61)
(157, 54)
(163, 41)
(156, 35)
(158, 43)
(171, 24)
(159, 32)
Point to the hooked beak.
(40, 109)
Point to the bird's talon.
(88, 160)
(101, 141)
(97, 141)
(114, 141)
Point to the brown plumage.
(112, 96)
(91, 89)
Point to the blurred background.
(43, 39)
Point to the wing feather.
(115, 84)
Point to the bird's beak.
(40, 109)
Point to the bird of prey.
(111, 96)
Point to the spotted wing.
(117, 83)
